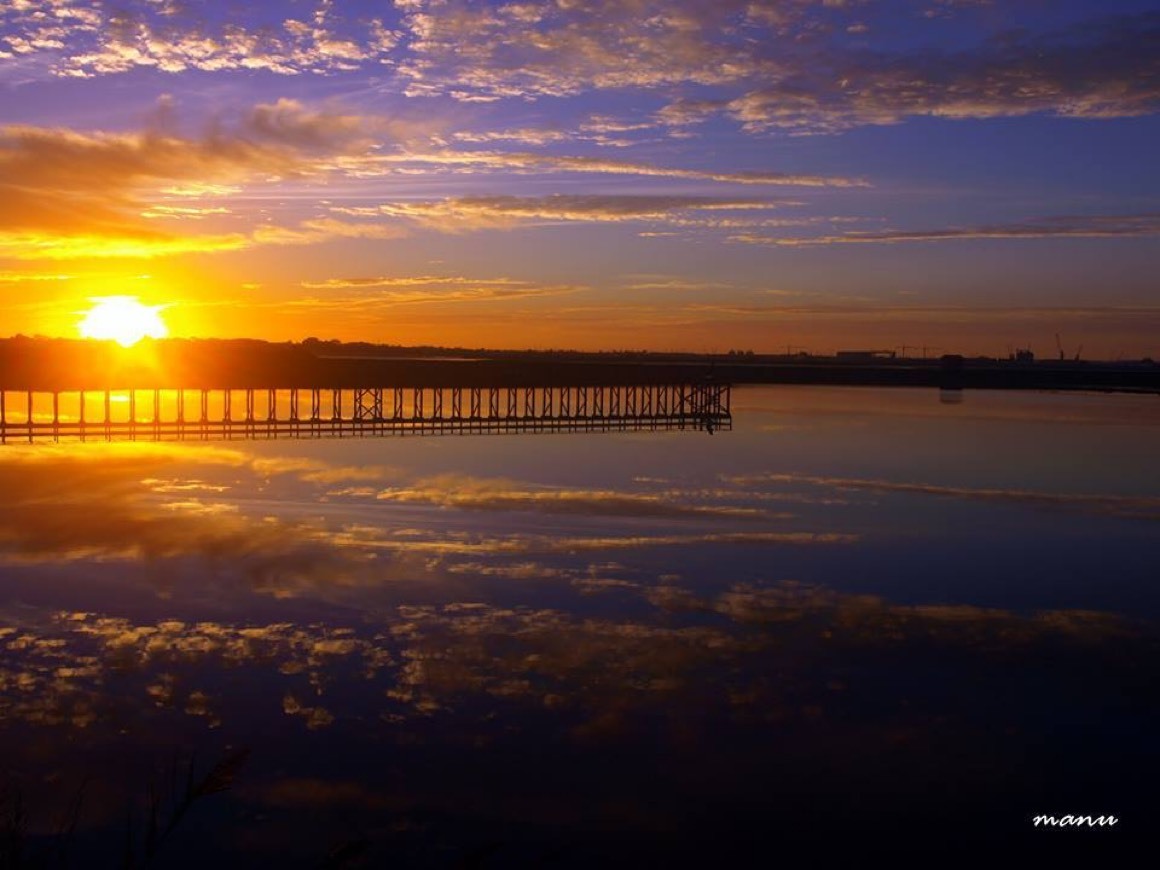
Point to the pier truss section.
(226, 414)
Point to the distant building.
(864, 355)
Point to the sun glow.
(123, 319)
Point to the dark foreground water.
(864, 621)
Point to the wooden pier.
(205, 414)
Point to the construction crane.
(1059, 346)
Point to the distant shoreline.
(63, 365)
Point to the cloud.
(311, 232)
(789, 65)
(1104, 68)
(863, 620)
(480, 52)
(503, 212)
(177, 212)
(680, 674)
(270, 140)
(94, 40)
(62, 663)
(369, 293)
(67, 193)
(1129, 506)
(111, 241)
(602, 130)
(394, 281)
(291, 124)
(793, 63)
(135, 502)
(683, 112)
(547, 544)
(670, 284)
(25, 277)
(606, 671)
(1065, 227)
(525, 136)
(529, 162)
(504, 495)
(101, 503)
(129, 242)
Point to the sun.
(123, 319)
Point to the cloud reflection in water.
(630, 667)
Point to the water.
(865, 619)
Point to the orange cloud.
(502, 212)
(70, 194)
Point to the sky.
(927, 176)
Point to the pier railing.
(222, 414)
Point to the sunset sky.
(964, 175)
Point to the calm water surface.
(864, 620)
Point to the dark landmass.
(65, 364)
